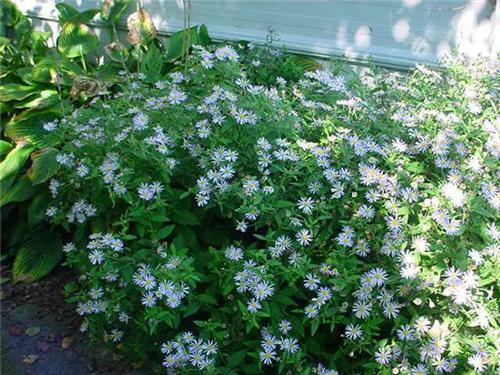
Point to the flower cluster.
(187, 350)
(320, 224)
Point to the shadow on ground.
(40, 332)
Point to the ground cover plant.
(329, 225)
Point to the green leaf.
(10, 13)
(15, 160)
(185, 217)
(15, 91)
(47, 99)
(44, 166)
(37, 208)
(191, 309)
(236, 358)
(32, 331)
(37, 257)
(164, 232)
(203, 37)
(29, 127)
(76, 39)
(180, 42)
(5, 147)
(86, 16)
(151, 64)
(66, 12)
(20, 191)
(284, 204)
(207, 298)
(306, 63)
(314, 327)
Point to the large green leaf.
(10, 14)
(15, 91)
(180, 42)
(37, 208)
(21, 190)
(151, 64)
(46, 99)
(14, 161)
(76, 39)
(37, 257)
(68, 13)
(44, 165)
(306, 63)
(203, 38)
(5, 147)
(30, 127)
(44, 70)
(48, 68)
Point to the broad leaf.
(5, 147)
(30, 128)
(66, 12)
(21, 190)
(44, 166)
(15, 91)
(14, 161)
(180, 42)
(76, 39)
(47, 99)
(37, 208)
(37, 257)
(152, 64)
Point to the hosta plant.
(326, 226)
(40, 84)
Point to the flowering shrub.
(329, 226)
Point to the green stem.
(83, 63)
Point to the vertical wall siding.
(391, 32)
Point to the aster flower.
(353, 332)
(304, 237)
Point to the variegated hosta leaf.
(307, 63)
(15, 160)
(44, 165)
(19, 191)
(5, 147)
(76, 39)
(30, 129)
(37, 257)
(15, 91)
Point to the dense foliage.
(326, 225)
(43, 77)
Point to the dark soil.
(40, 332)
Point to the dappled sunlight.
(394, 32)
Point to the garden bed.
(242, 210)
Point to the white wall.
(392, 32)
